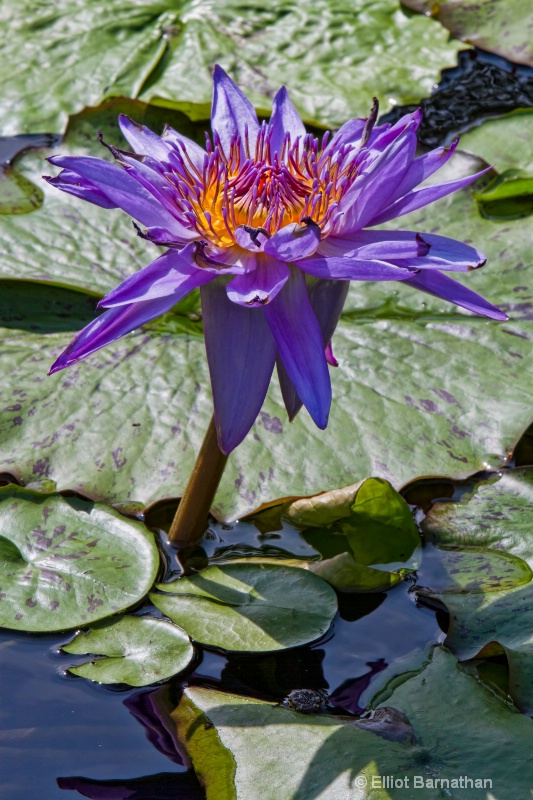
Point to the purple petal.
(73, 184)
(241, 353)
(142, 140)
(446, 288)
(373, 188)
(185, 147)
(174, 273)
(422, 197)
(301, 346)
(253, 239)
(119, 187)
(150, 175)
(294, 241)
(330, 358)
(327, 301)
(424, 166)
(260, 286)
(406, 249)
(408, 121)
(232, 114)
(284, 120)
(349, 133)
(352, 269)
(108, 327)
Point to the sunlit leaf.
(249, 607)
(492, 25)
(58, 57)
(65, 562)
(137, 650)
(242, 748)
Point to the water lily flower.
(271, 223)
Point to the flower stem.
(190, 522)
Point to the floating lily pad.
(492, 25)
(66, 562)
(157, 50)
(464, 730)
(373, 522)
(353, 528)
(507, 144)
(18, 195)
(348, 575)
(504, 142)
(43, 307)
(137, 650)
(473, 570)
(243, 748)
(252, 608)
(497, 515)
(509, 196)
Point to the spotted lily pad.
(66, 562)
(164, 51)
(492, 25)
(137, 650)
(249, 607)
(474, 570)
(497, 515)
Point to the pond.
(364, 630)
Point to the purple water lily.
(271, 224)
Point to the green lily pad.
(507, 144)
(373, 522)
(348, 575)
(492, 25)
(474, 570)
(161, 51)
(498, 515)
(491, 624)
(18, 195)
(504, 142)
(242, 748)
(509, 196)
(252, 608)
(66, 562)
(43, 307)
(353, 528)
(464, 730)
(137, 650)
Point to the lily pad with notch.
(66, 562)
(138, 651)
(249, 607)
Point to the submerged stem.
(190, 522)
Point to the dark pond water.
(57, 729)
